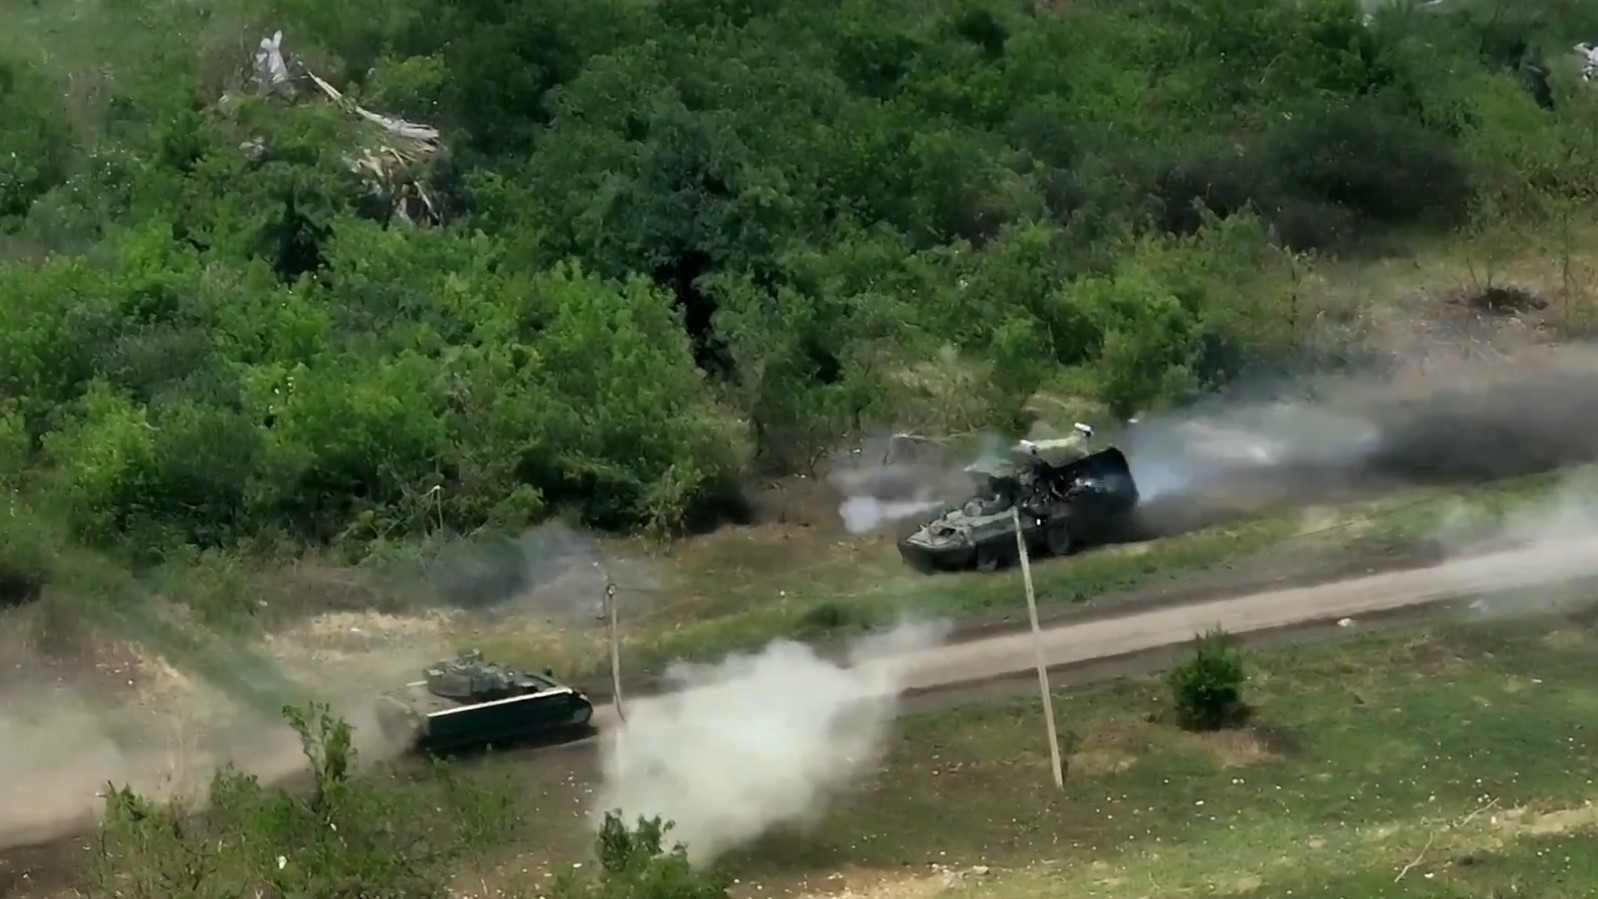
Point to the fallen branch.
(1433, 838)
(425, 137)
(1416, 861)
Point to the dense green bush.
(1207, 688)
(685, 242)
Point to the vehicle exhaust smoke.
(1340, 438)
(1179, 453)
(758, 742)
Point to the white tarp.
(269, 65)
(1588, 61)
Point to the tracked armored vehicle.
(468, 703)
(1081, 500)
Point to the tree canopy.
(681, 241)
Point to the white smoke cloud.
(1176, 452)
(757, 742)
(1566, 515)
(891, 479)
(864, 514)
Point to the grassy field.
(1463, 754)
(1452, 760)
(739, 589)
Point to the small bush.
(1208, 688)
(635, 864)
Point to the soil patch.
(1501, 301)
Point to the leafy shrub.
(634, 864)
(1208, 688)
(345, 835)
(34, 149)
(1385, 168)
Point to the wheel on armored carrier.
(988, 558)
(1059, 537)
(919, 561)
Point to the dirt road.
(1522, 570)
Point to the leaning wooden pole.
(615, 649)
(1037, 652)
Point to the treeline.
(680, 241)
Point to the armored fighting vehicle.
(1065, 496)
(468, 702)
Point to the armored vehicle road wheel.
(1059, 536)
(988, 558)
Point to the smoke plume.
(1330, 439)
(892, 479)
(757, 742)
(1558, 528)
(863, 514)
(552, 570)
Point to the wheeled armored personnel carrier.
(1063, 504)
(468, 702)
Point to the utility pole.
(615, 647)
(1037, 651)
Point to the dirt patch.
(1099, 762)
(1498, 300)
(1566, 639)
(53, 643)
(853, 882)
(797, 501)
(1520, 821)
(1234, 748)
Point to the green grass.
(1363, 754)
(722, 601)
(1465, 752)
(1561, 865)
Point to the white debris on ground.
(269, 66)
(1588, 58)
(387, 158)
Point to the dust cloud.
(62, 744)
(1560, 528)
(760, 742)
(203, 702)
(552, 570)
(59, 754)
(1330, 439)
